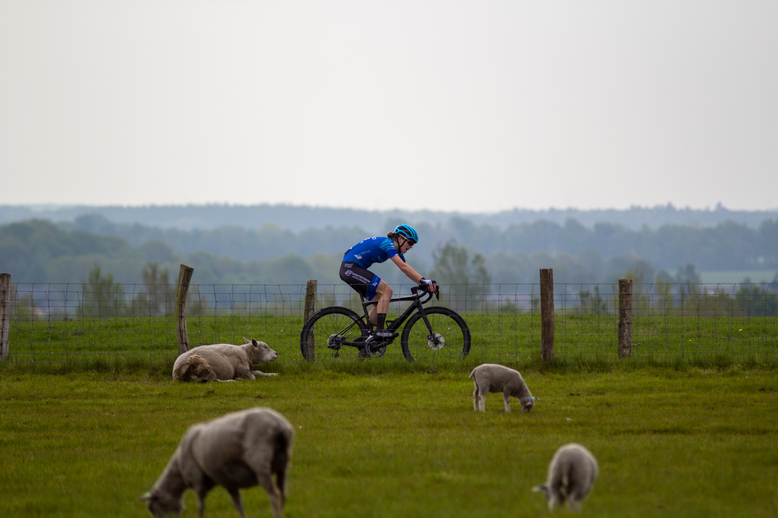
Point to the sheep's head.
(162, 506)
(550, 499)
(527, 403)
(261, 352)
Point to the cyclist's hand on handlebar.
(430, 285)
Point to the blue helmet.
(408, 232)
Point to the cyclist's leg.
(384, 293)
(363, 281)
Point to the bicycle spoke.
(449, 342)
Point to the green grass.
(402, 441)
(497, 337)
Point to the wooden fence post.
(547, 314)
(625, 318)
(310, 307)
(184, 276)
(5, 314)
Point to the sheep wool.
(571, 475)
(223, 362)
(491, 377)
(238, 450)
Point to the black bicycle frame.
(418, 305)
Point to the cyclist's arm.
(406, 269)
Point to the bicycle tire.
(325, 323)
(445, 322)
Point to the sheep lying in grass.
(223, 362)
(491, 377)
(571, 475)
(238, 450)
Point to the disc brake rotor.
(436, 344)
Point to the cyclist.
(354, 270)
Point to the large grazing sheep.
(223, 362)
(571, 475)
(238, 450)
(491, 377)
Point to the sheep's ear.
(246, 340)
(254, 343)
(538, 489)
(535, 398)
(146, 496)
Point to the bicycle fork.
(432, 338)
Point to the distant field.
(681, 441)
(737, 276)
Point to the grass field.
(399, 442)
(497, 337)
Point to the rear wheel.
(449, 341)
(324, 333)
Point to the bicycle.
(431, 334)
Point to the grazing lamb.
(571, 475)
(223, 362)
(238, 450)
(491, 377)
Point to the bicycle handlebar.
(425, 288)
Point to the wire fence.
(77, 323)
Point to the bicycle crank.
(374, 354)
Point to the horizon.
(666, 206)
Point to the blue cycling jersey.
(372, 250)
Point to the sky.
(468, 106)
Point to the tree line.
(725, 246)
(40, 251)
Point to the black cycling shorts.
(362, 280)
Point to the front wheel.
(449, 340)
(327, 330)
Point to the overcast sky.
(472, 106)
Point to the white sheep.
(223, 362)
(491, 377)
(571, 475)
(238, 450)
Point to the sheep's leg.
(260, 373)
(201, 486)
(507, 398)
(479, 396)
(260, 461)
(237, 501)
(281, 484)
(244, 373)
(274, 494)
(201, 502)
